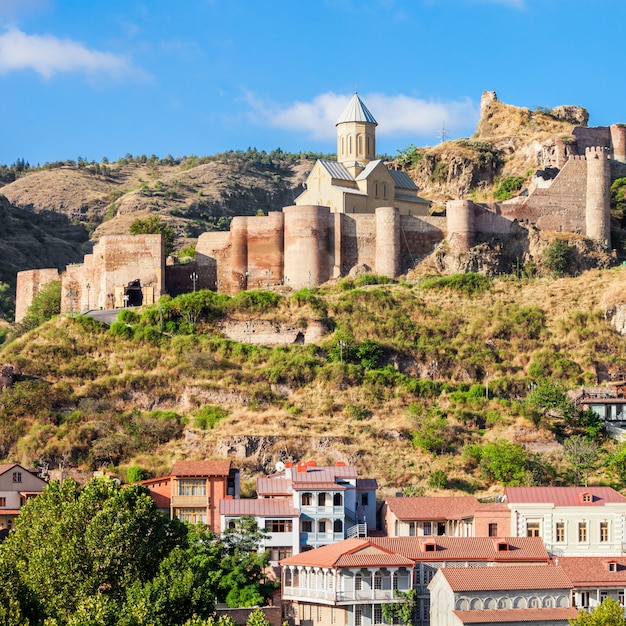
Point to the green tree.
(617, 462)
(7, 302)
(504, 462)
(153, 225)
(557, 257)
(402, 611)
(69, 544)
(609, 613)
(582, 454)
(257, 618)
(243, 581)
(549, 397)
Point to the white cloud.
(396, 115)
(48, 55)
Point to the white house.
(16, 485)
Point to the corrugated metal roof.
(350, 190)
(336, 170)
(504, 578)
(529, 549)
(512, 616)
(369, 168)
(402, 180)
(562, 496)
(322, 474)
(258, 507)
(273, 487)
(366, 483)
(416, 199)
(356, 111)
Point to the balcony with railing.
(190, 501)
(359, 595)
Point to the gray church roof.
(369, 168)
(402, 180)
(336, 170)
(356, 111)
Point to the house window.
(358, 582)
(493, 530)
(378, 614)
(378, 580)
(321, 526)
(365, 499)
(307, 499)
(192, 488)
(278, 553)
(532, 529)
(232, 524)
(620, 597)
(560, 532)
(604, 531)
(587, 497)
(582, 532)
(279, 525)
(321, 499)
(612, 566)
(3, 502)
(411, 529)
(192, 516)
(428, 529)
(337, 526)
(441, 528)
(307, 526)
(358, 616)
(17, 477)
(337, 500)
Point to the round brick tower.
(388, 241)
(307, 259)
(597, 214)
(460, 224)
(239, 253)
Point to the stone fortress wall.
(307, 245)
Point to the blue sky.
(90, 78)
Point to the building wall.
(29, 284)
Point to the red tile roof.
(593, 571)
(427, 508)
(529, 549)
(506, 578)
(562, 496)
(6, 467)
(348, 553)
(261, 508)
(201, 468)
(511, 616)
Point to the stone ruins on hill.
(354, 213)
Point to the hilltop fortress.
(355, 213)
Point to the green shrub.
(438, 480)
(134, 474)
(557, 257)
(208, 416)
(508, 186)
(255, 301)
(468, 284)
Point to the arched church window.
(343, 146)
(349, 144)
(359, 145)
(376, 190)
(384, 190)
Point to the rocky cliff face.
(509, 141)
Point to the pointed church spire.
(356, 111)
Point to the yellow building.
(357, 182)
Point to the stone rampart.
(387, 242)
(592, 136)
(265, 239)
(29, 284)
(597, 214)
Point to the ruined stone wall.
(358, 242)
(73, 289)
(618, 142)
(560, 207)
(178, 278)
(461, 224)
(213, 253)
(592, 136)
(29, 284)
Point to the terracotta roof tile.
(427, 508)
(6, 467)
(466, 548)
(562, 496)
(261, 508)
(348, 553)
(511, 616)
(506, 578)
(592, 571)
(201, 468)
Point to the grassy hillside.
(397, 387)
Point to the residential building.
(277, 518)
(193, 490)
(572, 521)
(427, 555)
(345, 583)
(595, 578)
(427, 516)
(508, 595)
(17, 484)
(333, 502)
